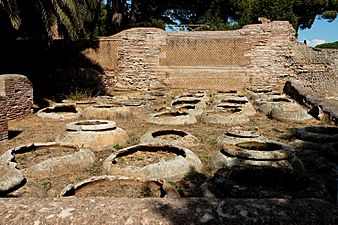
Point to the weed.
(47, 185)
(117, 146)
(82, 94)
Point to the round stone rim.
(102, 125)
(71, 189)
(185, 137)
(284, 151)
(173, 169)
(242, 132)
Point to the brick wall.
(222, 60)
(316, 69)
(131, 58)
(3, 119)
(18, 91)
(333, 53)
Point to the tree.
(43, 19)
(328, 45)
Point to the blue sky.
(320, 32)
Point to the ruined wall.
(316, 69)
(3, 119)
(222, 60)
(314, 80)
(131, 58)
(18, 91)
(333, 53)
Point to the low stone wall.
(102, 210)
(313, 81)
(320, 107)
(3, 119)
(18, 91)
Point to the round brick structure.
(172, 117)
(11, 178)
(291, 112)
(74, 158)
(61, 111)
(94, 134)
(237, 134)
(170, 136)
(258, 153)
(120, 186)
(183, 162)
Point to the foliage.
(73, 19)
(329, 15)
(45, 19)
(212, 22)
(117, 146)
(328, 45)
(81, 94)
(152, 23)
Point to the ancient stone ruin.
(172, 137)
(237, 134)
(235, 119)
(172, 117)
(61, 111)
(3, 119)
(18, 91)
(172, 163)
(120, 186)
(94, 134)
(258, 153)
(46, 159)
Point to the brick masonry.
(3, 119)
(224, 60)
(18, 91)
(314, 81)
(316, 69)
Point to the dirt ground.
(35, 129)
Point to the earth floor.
(35, 129)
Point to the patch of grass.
(47, 185)
(82, 94)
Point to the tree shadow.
(317, 148)
(245, 211)
(264, 200)
(55, 70)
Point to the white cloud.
(315, 42)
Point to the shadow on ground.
(55, 70)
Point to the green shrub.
(328, 45)
(117, 146)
